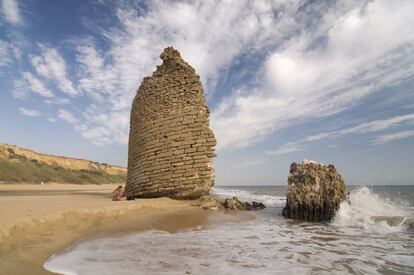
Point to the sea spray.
(368, 210)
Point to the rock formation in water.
(314, 193)
(235, 204)
(171, 145)
(209, 203)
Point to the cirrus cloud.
(360, 51)
(30, 82)
(303, 60)
(11, 11)
(50, 64)
(362, 128)
(67, 116)
(29, 112)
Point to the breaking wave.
(368, 210)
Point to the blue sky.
(286, 80)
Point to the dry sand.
(40, 220)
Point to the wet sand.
(40, 220)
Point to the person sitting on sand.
(118, 193)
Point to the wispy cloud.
(209, 43)
(51, 65)
(112, 129)
(363, 128)
(57, 101)
(332, 146)
(29, 112)
(11, 11)
(4, 54)
(67, 116)
(311, 60)
(363, 47)
(378, 125)
(286, 148)
(29, 82)
(99, 136)
(391, 137)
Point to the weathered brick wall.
(170, 142)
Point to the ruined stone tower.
(171, 145)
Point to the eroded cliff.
(21, 165)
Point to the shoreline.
(41, 220)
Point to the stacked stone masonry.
(171, 145)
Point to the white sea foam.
(268, 200)
(270, 244)
(368, 210)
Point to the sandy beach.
(40, 220)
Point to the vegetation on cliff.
(19, 165)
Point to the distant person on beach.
(118, 194)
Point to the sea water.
(373, 233)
